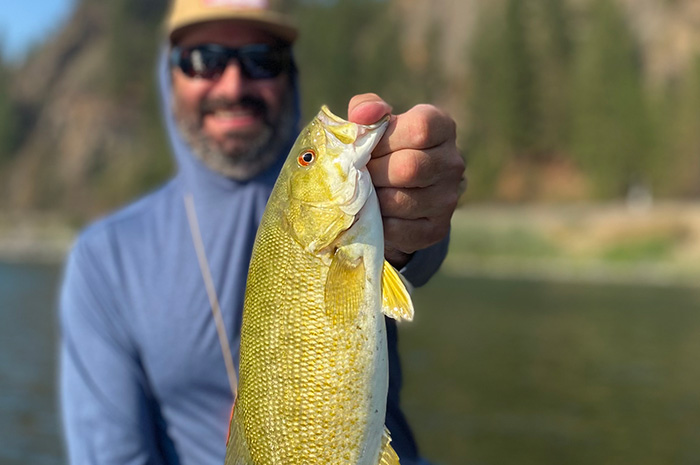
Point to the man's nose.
(232, 82)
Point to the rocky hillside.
(91, 136)
(83, 146)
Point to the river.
(29, 422)
(498, 371)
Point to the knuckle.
(427, 126)
(451, 200)
(438, 122)
(455, 168)
(458, 163)
(448, 125)
(425, 236)
(452, 128)
(439, 231)
(409, 169)
(420, 131)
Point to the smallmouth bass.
(313, 358)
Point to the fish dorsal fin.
(396, 299)
(237, 452)
(345, 285)
(387, 456)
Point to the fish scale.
(313, 364)
(318, 378)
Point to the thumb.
(367, 109)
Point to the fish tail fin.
(396, 299)
(387, 455)
(237, 452)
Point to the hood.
(196, 176)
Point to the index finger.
(421, 128)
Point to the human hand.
(417, 171)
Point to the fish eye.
(306, 157)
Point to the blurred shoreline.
(35, 237)
(616, 243)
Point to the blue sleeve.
(425, 262)
(103, 390)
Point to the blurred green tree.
(613, 136)
(348, 47)
(679, 119)
(487, 146)
(519, 99)
(548, 80)
(135, 38)
(135, 29)
(9, 121)
(553, 51)
(519, 75)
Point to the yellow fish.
(314, 367)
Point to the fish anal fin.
(237, 452)
(387, 455)
(396, 299)
(345, 285)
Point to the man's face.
(236, 125)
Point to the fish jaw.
(356, 141)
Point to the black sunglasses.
(209, 61)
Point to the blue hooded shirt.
(143, 379)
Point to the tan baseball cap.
(269, 15)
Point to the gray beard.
(252, 155)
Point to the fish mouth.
(362, 136)
(329, 118)
(333, 118)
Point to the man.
(143, 375)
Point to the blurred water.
(497, 371)
(29, 424)
(518, 372)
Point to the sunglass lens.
(207, 63)
(262, 63)
(210, 61)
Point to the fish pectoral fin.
(345, 286)
(396, 299)
(237, 452)
(387, 455)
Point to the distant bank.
(30, 237)
(656, 244)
